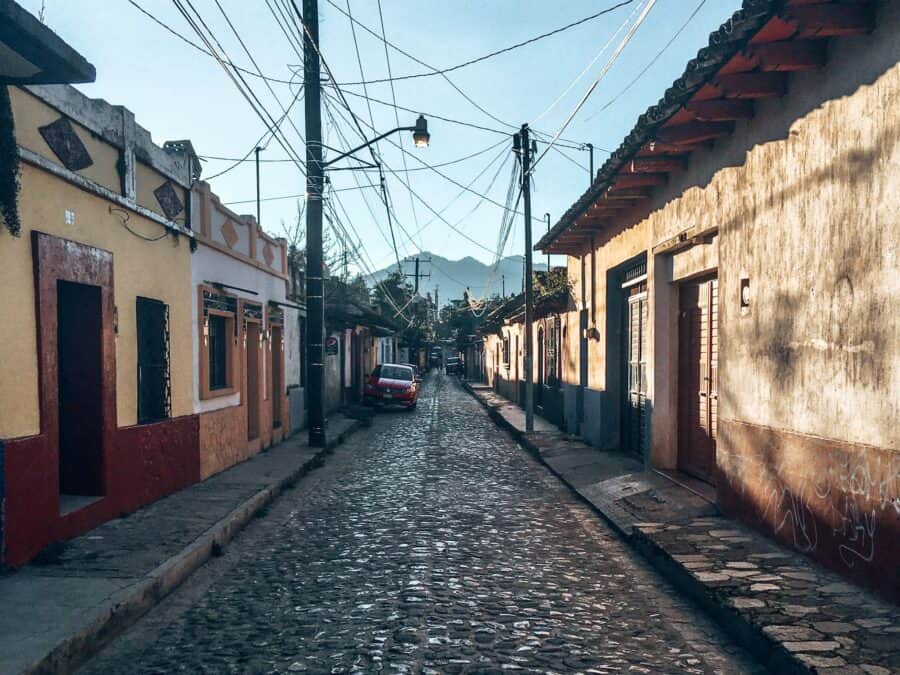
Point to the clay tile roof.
(724, 44)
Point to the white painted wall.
(209, 264)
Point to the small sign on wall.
(331, 346)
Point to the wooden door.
(277, 342)
(253, 343)
(698, 356)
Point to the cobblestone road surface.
(429, 543)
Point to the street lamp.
(420, 132)
(421, 137)
(590, 148)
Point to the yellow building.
(96, 407)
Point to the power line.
(354, 174)
(295, 196)
(427, 205)
(373, 146)
(464, 64)
(602, 73)
(588, 66)
(387, 58)
(445, 176)
(490, 185)
(246, 158)
(458, 160)
(193, 44)
(649, 64)
(292, 81)
(422, 63)
(248, 93)
(256, 66)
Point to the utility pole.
(590, 147)
(523, 142)
(547, 218)
(315, 301)
(417, 275)
(503, 281)
(257, 151)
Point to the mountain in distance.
(450, 278)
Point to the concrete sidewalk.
(79, 594)
(793, 615)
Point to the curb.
(743, 632)
(76, 649)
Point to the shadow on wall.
(828, 332)
(836, 502)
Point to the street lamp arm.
(366, 145)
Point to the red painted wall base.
(145, 463)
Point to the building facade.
(245, 338)
(735, 274)
(95, 385)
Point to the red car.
(392, 384)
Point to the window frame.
(231, 351)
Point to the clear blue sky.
(176, 92)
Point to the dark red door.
(698, 356)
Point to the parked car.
(392, 384)
(452, 366)
(416, 372)
(437, 357)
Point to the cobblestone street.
(429, 543)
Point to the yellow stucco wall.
(30, 113)
(146, 181)
(158, 270)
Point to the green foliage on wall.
(9, 166)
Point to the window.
(218, 343)
(218, 352)
(552, 353)
(153, 383)
(506, 351)
(401, 373)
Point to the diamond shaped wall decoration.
(168, 199)
(66, 145)
(229, 233)
(268, 254)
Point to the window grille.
(153, 373)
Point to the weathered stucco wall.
(804, 201)
(30, 113)
(156, 270)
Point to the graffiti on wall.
(827, 502)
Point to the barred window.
(154, 386)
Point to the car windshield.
(397, 373)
